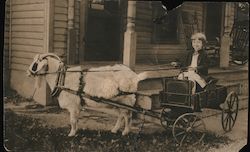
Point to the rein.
(87, 70)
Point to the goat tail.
(142, 76)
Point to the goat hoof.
(114, 130)
(71, 134)
(125, 132)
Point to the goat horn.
(50, 54)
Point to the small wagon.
(182, 109)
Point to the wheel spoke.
(180, 133)
(198, 135)
(188, 128)
(230, 100)
(234, 101)
(231, 104)
(183, 122)
(193, 122)
(189, 119)
(233, 118)
(226, 122)
(183, 138)
(197, 125)
(230, 123)
(226, 117)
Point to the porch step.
(243, 102)
(232, 86)
(229, 75)
(240, 81)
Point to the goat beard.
(38, 80)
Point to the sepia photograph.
(125, 76)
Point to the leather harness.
(59, 87)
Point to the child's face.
(197, 44)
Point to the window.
(167, 31)
(109, 6)
(97, 4)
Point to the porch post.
(225, 40)
(129, 52)
(71, 38)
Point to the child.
(196, 63)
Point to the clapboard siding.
(28, 14)
(143, 21)
(27, 35)
(61, 3)
(22, 54)
(60, 31)
(23, 2)
(61, 17)
(27, 28)
(27, 48)
(60, 38)
(144, 27)
(28, 7)
(27, 41)
(6, 72)
(27, 32)
(60, 26)
(160, 58)
(19, 67)
(24, 21)
(61, 10)
(195, 7)
(22, 60)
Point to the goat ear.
(36, 57)
(42, 64)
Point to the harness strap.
(59, 81)
(60, 85)
(80, 89)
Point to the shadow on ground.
(22, 133)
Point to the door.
(213, 21)
(103, 31)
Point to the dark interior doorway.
(103, 32)
(213, 21)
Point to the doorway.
(213, 21)
(103, 33)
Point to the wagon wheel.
(230, 111)
(188, 128)
(164, 118)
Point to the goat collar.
(59, 80)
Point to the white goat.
(103, 82)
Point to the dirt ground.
(31, 127)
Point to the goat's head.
(40, 64)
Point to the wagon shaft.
(124, 106)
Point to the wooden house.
(82, 31)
